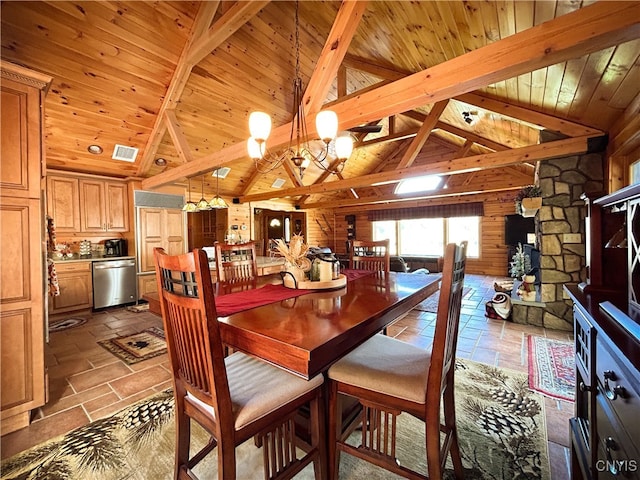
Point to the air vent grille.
(124, 153)
(278, 183)
(221, 172)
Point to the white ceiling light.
(418, 184)
(298, 150)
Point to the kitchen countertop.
(92, 258)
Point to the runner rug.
(501, 425)
(552, 367)
(137, 347)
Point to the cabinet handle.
(583, 387)
(615, 392)
(610, 444)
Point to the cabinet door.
(76, 288)
(150, 236)
(92, 206)
(22, 386)
(20, 147)
(147, 284)
(62, 203)
(174, 232)
(117, 207)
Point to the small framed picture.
(635, 172)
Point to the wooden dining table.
(308, 333)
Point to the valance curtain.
(475, 209)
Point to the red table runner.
(237, 302)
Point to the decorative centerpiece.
(297, 264)
(527, 290)
(528, 200)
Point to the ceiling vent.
(126, 154)
(278, 183)
(221, 172)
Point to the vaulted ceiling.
(177, 80)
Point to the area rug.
(430, 304)
(137, 347)
(552, 367)
(501, 426)
(65, 324)
(141, 307)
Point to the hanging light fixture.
(217, 201)
(202, 203)
(298, 150)
(190, 206)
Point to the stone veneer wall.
(560, 230)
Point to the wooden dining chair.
(236, 263)
(233, 398)
(389, 376)
(369, 255)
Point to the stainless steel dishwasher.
(114, 282)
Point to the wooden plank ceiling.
(177, 80)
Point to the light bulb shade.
(344, 147)
(218, 202)
(259, 125)
(190, 207)
(255, 149)
(327, 125)
(203, 204)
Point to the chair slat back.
(191, 328)
(236, 263)
(447, 319)
(369, 255)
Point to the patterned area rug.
(59, 325)
(552, 367)
(501, 425)
(430, 304)
(137, 347)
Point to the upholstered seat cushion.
(257, 388)
(385, 365)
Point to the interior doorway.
(271, 225)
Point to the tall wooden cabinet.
(22, 253)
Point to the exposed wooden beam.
(179, 79)
(230, 21)
(459, 132)
(593, 28)
(558, 148)
(423, 134)
(177, 135)
(464, 149)
(333, 52)
(388, 138)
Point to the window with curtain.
(428, 236)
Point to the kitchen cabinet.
(22, 257)
(62, 203)
(163, 228)
(103, 206)
(76, 287)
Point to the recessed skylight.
(418, 184)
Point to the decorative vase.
(530, 206)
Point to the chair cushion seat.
(385, 365)
(258, 388)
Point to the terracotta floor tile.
(91, 378)
(70, 401)
(70, 367)
(139, 381)
(485, 355)
(559, 461)
(98, 403)
(117, 406)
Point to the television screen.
(516, 228)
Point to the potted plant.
(520, 264)
(528, 200)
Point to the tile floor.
(86, 382)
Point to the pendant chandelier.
(190, 206)
(298, 150)
(202, 203)
(217, 201)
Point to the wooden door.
(62, 203)
(92, 206)
(116, 207)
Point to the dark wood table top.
(306, 334)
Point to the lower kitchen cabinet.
(76, 288)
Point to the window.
(428, 236)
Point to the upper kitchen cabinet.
(88, 204)
(62, 203)
(103, 206)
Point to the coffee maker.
(115, 247)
